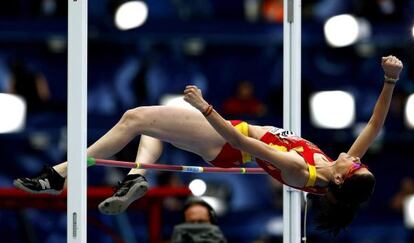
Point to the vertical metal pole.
(291, 110)
(77, 93)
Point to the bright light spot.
(341, 30)
(332, 109)
(217, 204)
(12, 112)
(409, 111)
(275, 226)
(412, 31)
(131, 15)
(197, 187)
(364, 29)
(408, 209)
(175, 100)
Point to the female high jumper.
(343, 184)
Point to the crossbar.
(177, 168)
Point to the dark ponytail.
(340, 205)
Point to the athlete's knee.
(133, 117)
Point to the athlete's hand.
(392, 66)
(193, 96)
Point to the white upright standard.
(291, 110)
(77, 93)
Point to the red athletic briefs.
(280, 140)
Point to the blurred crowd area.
(233, 51)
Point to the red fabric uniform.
(279, 139)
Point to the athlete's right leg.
(134, 185)
(149, 151)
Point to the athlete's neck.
(324, 170)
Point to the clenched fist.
(193, 96)
(392, 67)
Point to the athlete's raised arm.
(283, 160)
(392, 67)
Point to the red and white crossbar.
(177, 168)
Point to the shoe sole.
(116, 205)
(19, 184)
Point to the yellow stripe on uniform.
(299, 149)
(312, 176)
(243, 128)
(278, 148)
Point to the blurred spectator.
(131, 82)
(277, 193)
(169, 76)
(272, 10)
(243, 103)
(30, 85)
(406, 189)
(308, 9)
(324, 9)
(396, 113)
(140, 82)
(199, 224)
(169, 179)
(198, 211)
(195, 9)
(49, 8)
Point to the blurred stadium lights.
(215, 193)
(332, 109)
(275, 226)
(131, 14)
(344, 30)
(412, 31)
(409, 111)
(175, 100)
(194, 46)
(197, 187)
(218, 204)
(57, 44)
(408, 209)
(13, 113)
(252, 10)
